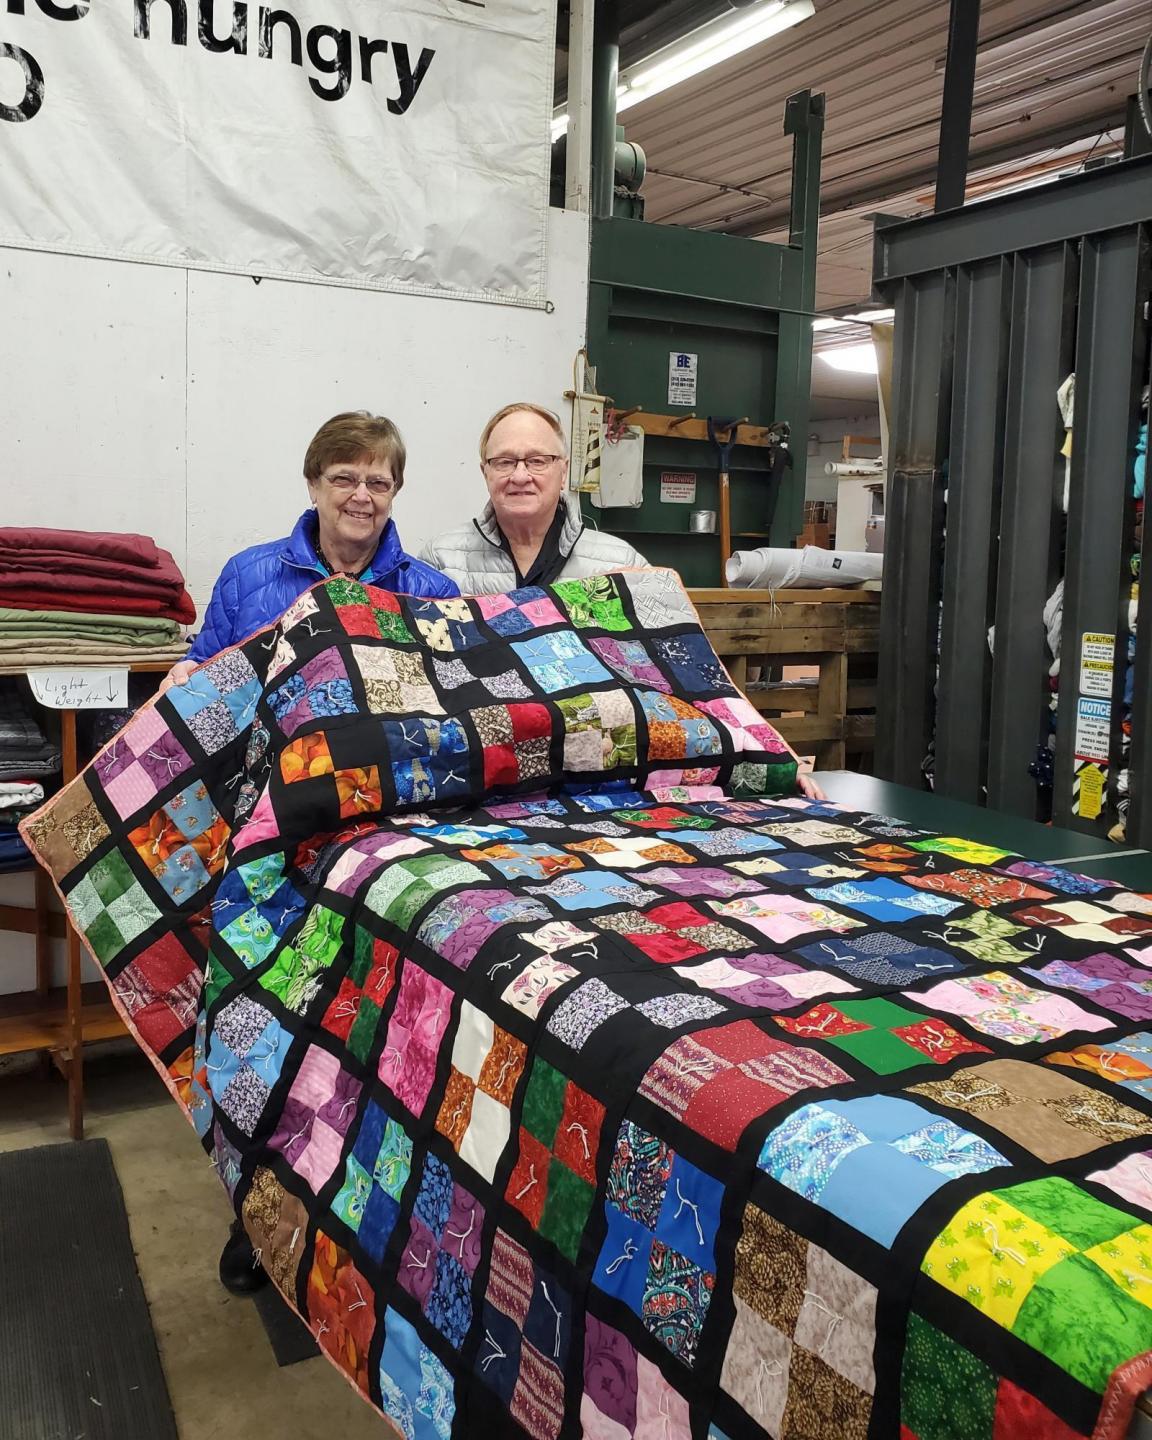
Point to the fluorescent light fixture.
(699, 50)
(828, 322)
(856, 359)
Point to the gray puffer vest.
(471, 554)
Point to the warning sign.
(1093, 730)
(1097, 656)
(678, 487)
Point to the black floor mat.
(290, 1338)
(78, 1356)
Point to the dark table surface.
(1085, 853)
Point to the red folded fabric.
(123, 581)
(179, 608)
(19, 562)
(129, 549)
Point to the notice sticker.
(1093, 730)
(682, 369)
(1097, 657)
(678, 487)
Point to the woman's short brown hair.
(348, 437)
(537, 410)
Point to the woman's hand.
(808, 786)
(180, 674)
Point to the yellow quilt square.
(991, 1255)
(1127, 1261)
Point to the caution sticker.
(1089, 802)
(1097, 657)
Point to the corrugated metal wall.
(996, 304)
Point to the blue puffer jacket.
(259, 584)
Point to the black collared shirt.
(549, 560)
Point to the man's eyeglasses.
(534, 464)
(379, 485)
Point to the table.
(1084, 853)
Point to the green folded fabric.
(120, 629)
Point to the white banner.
(387, 144)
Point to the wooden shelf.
(46, 1027)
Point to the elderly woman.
(531, 531)
(355, 469)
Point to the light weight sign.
(393, 146)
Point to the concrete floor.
(221, 1374)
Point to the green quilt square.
(408, 904)
(393, 628)
(880, 1013)
(347, 592)
(133, 912)
(394, 1162)
(361, 957)
(111, 877)
(217, 978)
(320, 936)
(83, 903)
(945, 1392)
(566, 1209)
(363, 1031)
(1083, 1322)
(544, 1102)
(263, 877)
(593, 602)
(882, 1052)
(352, 1196)
(1063, 1207)
(103, 938)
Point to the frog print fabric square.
(574, 1075)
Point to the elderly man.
(531, 531)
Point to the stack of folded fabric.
(26, 756)
(80, 597)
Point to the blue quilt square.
(498, 1358)
(559, 661)
(270, 1051)
(434, 1202)
(189, 699)
(424, 738)
(182, 874)
(192, 811)
(416, 1390)
(510, 622)
(883, 959)
(877, 1190)
(284, 699)
(547, 1325)
(449, 1306)
(593, 890)
(242, 702)
(886, 900)
(694, 664)
(380, 1216)
(690, 1215)
(622, 1265)
(370, 1136)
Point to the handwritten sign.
(83, 688)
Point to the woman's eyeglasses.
(378, 485)
(534, 464)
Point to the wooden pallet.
(837, 631)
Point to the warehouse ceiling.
(1052, 80)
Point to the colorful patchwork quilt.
(573, 1077)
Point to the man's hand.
(808, 786)
(180, 674)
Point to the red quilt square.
(383, 599)
(1020, 1416)
(382, 976)
(341, 1014)
(667, 949)
(358, 620)
(528, 1183)
(938, 1041)
(677, 915)
(578, 1133)
(822, 1022)
(529, 721)
(725, 1107)
(166, 964)
(739, 1041)
(500, 767)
